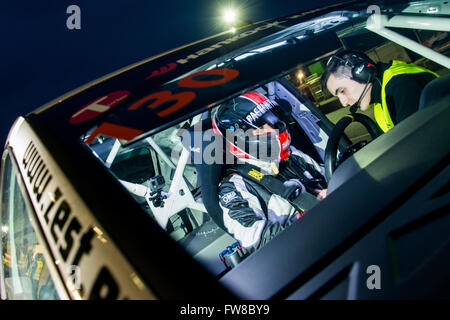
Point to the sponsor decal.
(72, 235)
(262, 106)
(56, 210)
(218, 45)
(258, 111)
(359, 69)
(226, 198)
(99, 106)
(256, 174)
(228, 41)
(170, 66)
(162, 70)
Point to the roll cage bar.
(379, 24)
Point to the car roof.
(131, 84)
(129, 92)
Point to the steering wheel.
(338, 132)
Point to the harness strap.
(302, 202)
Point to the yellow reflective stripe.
(381, 111)
(39, 267)
(380, 117)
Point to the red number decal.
(181, 99)
(98, 106)
(114, 131)
(190, 82)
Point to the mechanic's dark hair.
(344, 63)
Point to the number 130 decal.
(153, 101)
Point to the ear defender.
(363, 72)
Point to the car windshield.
(24, 271)
(161, 168)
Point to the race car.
(110, 191)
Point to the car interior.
(193, 215)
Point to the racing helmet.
(237, 121)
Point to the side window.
(307, 78)
(134, 165)
(168, 151)
(153, 169)
(24, 271)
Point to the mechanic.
(265, 191)
(392, 88)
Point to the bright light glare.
(245, 55)
(4, 229)
(229, 15)
(233, 30)
(272, 46)
(300, 75)
(262, 49)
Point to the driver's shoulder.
(231, 179)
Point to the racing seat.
(208, 240)
(208, 175)
(436, 90)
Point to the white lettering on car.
(226, 42)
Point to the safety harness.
(301, 201)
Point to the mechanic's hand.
(321, 194)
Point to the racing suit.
(252, 214)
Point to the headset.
(363, 70)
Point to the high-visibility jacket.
(381, 111)
(35, 268)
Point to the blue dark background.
(42, 59)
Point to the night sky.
(42, 59)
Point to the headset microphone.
(354, 107)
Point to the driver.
(257, 194)
(392, 88)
